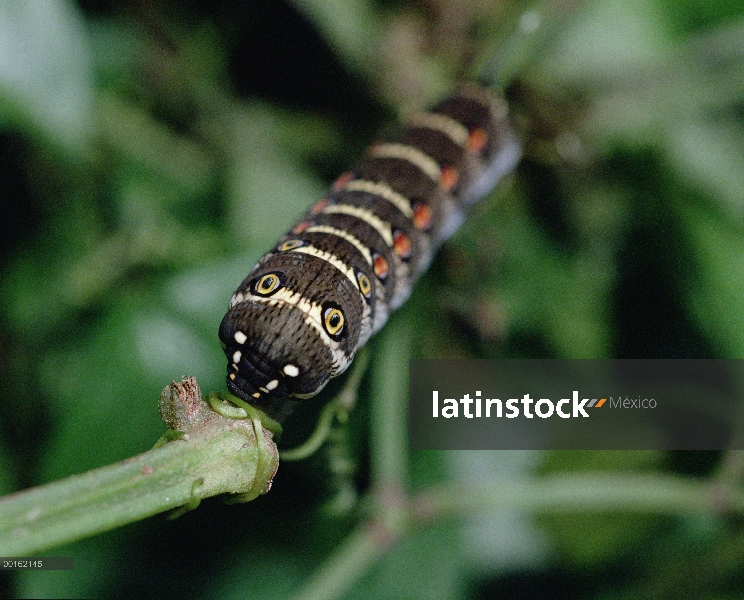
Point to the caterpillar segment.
(332, 280)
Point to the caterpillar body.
(306, 307)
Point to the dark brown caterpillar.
(307, 306)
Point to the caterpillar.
(310, 303)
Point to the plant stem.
(216, 455)
(354, 557)
(525, 38)
(575, 493)
(389, 412)
(583, 492)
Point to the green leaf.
(718, 302)
(45, 70)
(608, 39)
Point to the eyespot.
(364, 284)
(268, 284)
(291, 245)
(334, 321)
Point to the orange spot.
(380, 266)
(341, 182)
(300, 227)
(477, 140)
(450, 177)
(320, 205)
(601, 402)
(421, 215)
(402, 245)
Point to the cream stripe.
(331, 259)
(342, 234)
(384, 191)
(453, 129)
(408, 153)
(313, 318)
(311, 310)
(365, 215)
(287, 296)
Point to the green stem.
(389, 417)
(581, 493)
(529, 34)
(214, 456)
(575, 493)
(338, 408)
(363, 548)
(318, 437)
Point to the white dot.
(272, 384)
(240, 337)
(237, 356)
(291, 371)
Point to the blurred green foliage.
(152, 151)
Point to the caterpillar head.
(285, 335)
